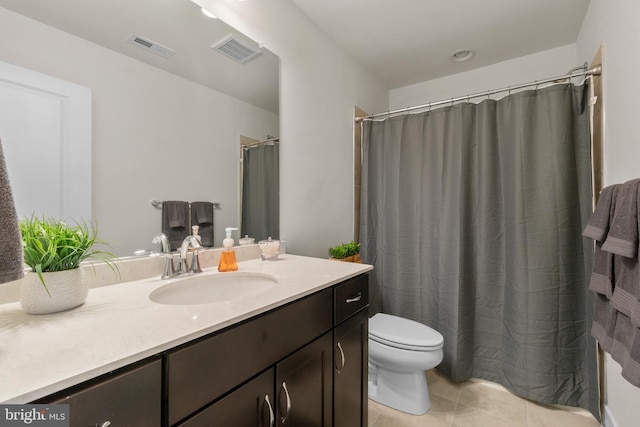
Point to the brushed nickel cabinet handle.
(355, 298)
(341, 358)
(286, 392)
(271, 416)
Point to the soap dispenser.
(228, 255)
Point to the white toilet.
(400, 351)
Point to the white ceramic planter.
(67, 289)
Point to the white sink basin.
(213, 288)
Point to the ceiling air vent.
(150, 45)
(236, 49)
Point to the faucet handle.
(169, 271)
(183, 267)
(195, 263)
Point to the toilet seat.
(404, 333)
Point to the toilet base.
(405, 391)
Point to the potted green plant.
(349, 252)
(54, 251)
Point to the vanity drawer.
(129, 397)
(350, 297)
(199, 373)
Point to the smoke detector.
(236, 49)
(150, 45)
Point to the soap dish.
(269, 249)
(246, 240)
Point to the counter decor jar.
(269, 249)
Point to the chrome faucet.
(169, 271)
(189, 241)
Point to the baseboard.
(607, 417)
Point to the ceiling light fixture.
(462, 55)
(208, 14)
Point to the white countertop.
(118, 325)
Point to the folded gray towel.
(626, 349)
(602, 277)
(202, 216)
(622, 238)
(626, 289)
(604, 322)
(175, 222)
(11, 261)
(598, 225)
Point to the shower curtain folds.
(472, 215)
(260, 216)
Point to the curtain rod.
(584, 71)
(266, 141)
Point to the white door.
(45, 129)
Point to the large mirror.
(167, 107)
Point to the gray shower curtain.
(261, 192)
(472, 215)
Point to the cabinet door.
(350, 372)
(131, 397)
(304, 385)
(250, 405)
(200, 373)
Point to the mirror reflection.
(161, 127)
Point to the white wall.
(615, 25)
(319, 88)
(154, 135)
(550, 63)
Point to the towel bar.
(158, 204)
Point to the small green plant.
(344, 250)
(51, 245)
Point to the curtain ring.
(536, 83)
(468, 98)
(509, 88)
(452, 102)
(429, 107)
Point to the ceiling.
(410, 41)
(176, 24)
(401, 41)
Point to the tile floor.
(478, 403)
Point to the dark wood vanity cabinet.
(350, 375)
(302, 364)
(295, 392)
(304, 386)
(131, 396)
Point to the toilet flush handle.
(355, 298)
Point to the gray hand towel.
(622, 238)
(202, 216)
(626, 349)
(602, 278)
(598, 225)
(626, 289)
(11, 260)
(175, 222)
(604, 322)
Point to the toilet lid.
(403, 333)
